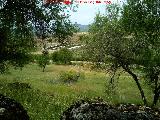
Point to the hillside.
(83, 28)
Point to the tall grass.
(47, 98)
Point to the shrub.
(18, 85)
(69, 76)
(78, 55)
(63, 56)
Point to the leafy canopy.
(128, 37)
(20, 21)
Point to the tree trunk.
(44, 68)
(156, 91)
(134, 76)
(156, 97)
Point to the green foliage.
(37, 103)
(16, 35)
(43, 60)
(78, 54)
(141, 19)
(3, 67)
(84, 53)
(69, 76)
(64, 31)
(35, 58)
(47, 101)
(21, 21)
(18, 85)
(130, 41)
(63, 56)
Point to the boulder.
(99, 110)
(11, 110)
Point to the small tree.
(43, 60)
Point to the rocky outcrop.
(99, 110)
(11, 110)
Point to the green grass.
(48, 98)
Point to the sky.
(86, 12)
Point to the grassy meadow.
(48, 97)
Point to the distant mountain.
(83, 28)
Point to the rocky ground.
(99, 110)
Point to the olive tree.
(129, 40)
(141, 20)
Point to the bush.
(18, 85)
(63, 56)
(69, 76)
